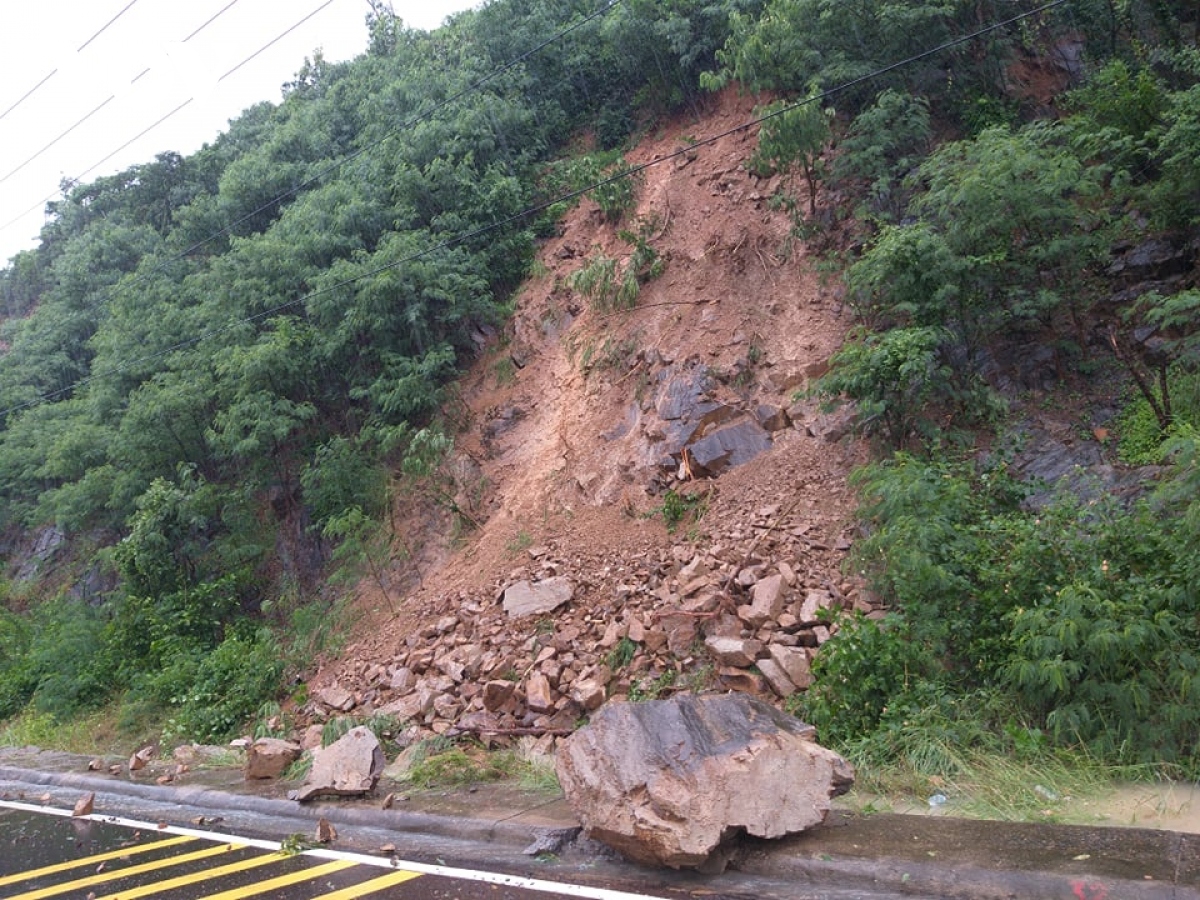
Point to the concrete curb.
(513, 834)
(944, 857)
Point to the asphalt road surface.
(49, 853)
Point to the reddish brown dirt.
(543, 461)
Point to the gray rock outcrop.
(671, 782)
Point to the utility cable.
(141, 134)
(210, 20)
(29, 93)
(54, 72)
(105, 26)
(403, 126)
(270, 44)
(79, 122)
(530, 211)
(78, 177)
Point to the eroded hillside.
(653, 460)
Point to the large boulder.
(348, 767)
(672, 782)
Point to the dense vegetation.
(1021, 616)
(212, 366)
(216, 367)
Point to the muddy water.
(1175, 807)
(1168, 806)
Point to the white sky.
(119, 67)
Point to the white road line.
(532, 884)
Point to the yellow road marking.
(99, 857)
(369, 887)
(282, 881)
(203, 875)
(114, 874)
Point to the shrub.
(57, 658)
(1084, 613)
(862, 672)
(214, 694)
(605, 286)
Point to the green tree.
(897, 379)
(794, 135)
(883, 145)
(1007, 231)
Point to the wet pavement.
(852, 855)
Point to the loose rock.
(270, 758)
(528, 599)
(348, 767)
(670, 781)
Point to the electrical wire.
(29, 93)
(85, 117)
(529, 211)
(104, 27)
(141, 134)
(78, 177)
(210, 20)
(400, 128)
(270, 44)
(54, 72)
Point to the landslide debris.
(649, 474)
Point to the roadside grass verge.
(989, 779)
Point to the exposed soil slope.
(567, 453)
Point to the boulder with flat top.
(674, 782)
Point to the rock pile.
(561, 634)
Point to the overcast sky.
(80, 80)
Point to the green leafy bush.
(606, 285)
(1115, 667)
(867, 668)
(1083, 613)
(58, 658)
(882, 146)
(212, 695)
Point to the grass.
(98, 733)
(442, 763)
(523, 540)
(384, 727)
(983, 781)
(438, 766)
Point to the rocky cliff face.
(653, 462)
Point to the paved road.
(49, 853)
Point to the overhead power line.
(210, 20)
(86, 116)
(272, 43)
(79, 176)
(141, 134)
(29, 93)
(104, 27)
(531, 210)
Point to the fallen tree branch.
(512, 732)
